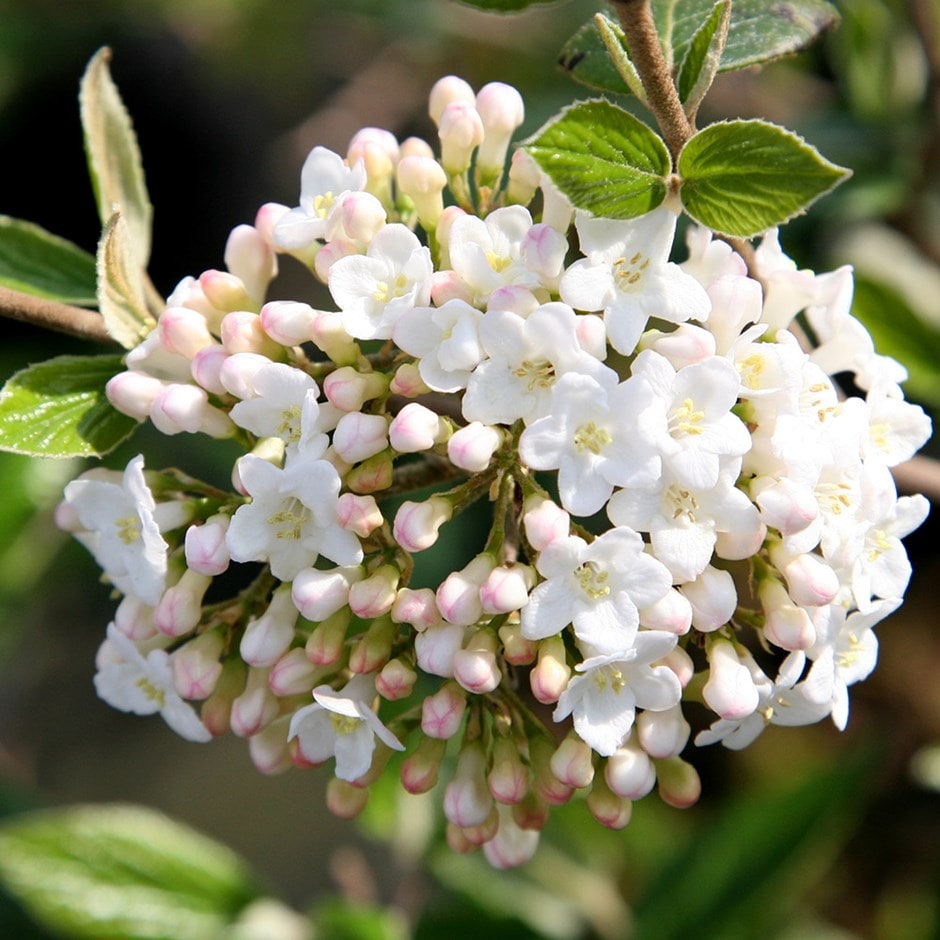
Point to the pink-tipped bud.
(713, 598)
(517, 649)
(672, 612)
(217, 709)
(318, 594)
(422, 179)
(550, 676)
(736, 546)
(293, 674)
(368, 142)
(485, 832)
(416, 428)
(461, 131)
(205, 546)
(629, 772)
(407, 381)
(134, 619)
(196, 666)
(396, 680)
(359, 436)
(785, 505)
(362, 216)
(372, 475)
(224, 291)
(810, 581)
(447, 286)
(501, 110)
(242, 332)
(373, 596)
(524, 178)
(786, 624)
(730, 691)
(238, 373)
(269, 749)
(442, 713)
(467, 800)
(288, 322)
(420, 770)
(184, 331)
(472, 447)
(507, 588)
(458, 596)
(679, 782)
(325, 644)
(179, 408)
(248, 254)
(662, 734)
(437, 646)
(132, 393)
(606, 807)
(514, 298)
(206, 369)
(572, 762)
(256, 707)
(417, 607)
(180, 608)
(267, 638)
(457, 840)
(544, 782)
(545, 521)
(446, 90)
(508, 778)
(329, 336)
(417, 524)
(344, 800)
(349, 389)
(373, 649)
(544, 249)
(476, 667)
(359, 514)
(679, 661)
(531, 813)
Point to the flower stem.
(51, 315)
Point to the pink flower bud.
(514, 298)
(785, 624)
(345, 800)
(423, 180)
(224, 291)
(359, 514)
(266, 639)
(517, 649)
(485, 832)
(507, 588)
(730, 691)
(349, 389)
(629, 772)
(330, 337)
(371, 140)
(287, 322)
(606, 807)
(359, 436)
(196, 666)
(184, 331)
(372, 475)
(467, 800)
(458, 597)
(475, 666)
(436, 647)
(269, 748)
(472, 447)
(330, 253)
(713, 599)
(662, 734)
(679, 661)
(325, 644)
(416, 428)
(372, 650)
(544, 782)
(442, 713)
(205, 546)
(132, 393)
(550, 676)
(217, 709)
(206, 369)
(421, 769)
(417, 607)
(544, 249)
(785, 505)
(460, 130)
(531, 813)
(544, 522)
(592, 335)
(685, 345)
(417, 525)
(457, 841)
(501, 110)
(679, 782)
(134, 619)
(407, 381)
(523, 178)
(672, 612)
(396, 680)
(317, 594)
(180, 607)
(178, 408)
(572, 762)
(293, 674)
(238, 372)
(508, 779)
(373, 596)
(446, 90)
(242, 332)
(449, 285)
(736, 546)
(256, 707)
(267, 217)
(362, 216)
(810, 581)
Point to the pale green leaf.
(703, 57)
(122, 873)
(121, 290)
(114, 161)
(58, 408)
(603, 159)
(740, 178)
(37, 262)
(586, 59)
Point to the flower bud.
(679, 661)
(544, 249)
(183, 331)
(606, 807)
(238, 373)
(206, 369)
(416, 428)
(196, 666)
(248, 253)
(485, 832)
(736, 546)
(417, 524)
(330, 337)
(293, 674)
(523, 178)
(501, 110)
(266, 639)
(205, 546)
(134, 619)
(730, 691)
(572, 764)
(785, 505)
(475, 666)
(417, 607)
(421, 769)
(458, 596)
(132, 393)
(629, 772)
(447, 286)
(544, 782)
(349, 389)
(288, 322)
(407, 381)
(373, 474)
(713, 599)
(550, 676)
(785, 624)
(180, 608)
(461, 131)
(318, 594)
(330, 253)
(679, 782)
(544, 522)
(592, 335)
(467, 800)
(457, 841)
(415, 147)
(359, 514)
(269, 748)
(507, 588)
(662, 734)
(436, 648)
(224, 291)
(325, 644)
(362, 216)
(396, 680)
(446, 90)
(472, 447)
(672, 612)
(512, 845)
(442, 713)
(531, 812)
(423, 180)
(242, 332)
(517, 649)
(810, 581)
(256, 707)
(374, 596)
(508, 779)
(178, 408)
(217, 709)
(345, 800)
(373, 648)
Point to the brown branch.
(51, 315)
(639, 28)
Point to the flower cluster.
(685, 507)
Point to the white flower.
(628, 275)
(131, 682)
(121, 531)
(341, 724)
(605, 695)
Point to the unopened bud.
(266, 639)
(179, 408)
(256, 707)
(572, 763)
(396, 680)
(224, 291)
(132, 393)
(373, 596)
(423, 180)
(679, 782)
(184, 331)
(461, 131)
(407, 381)
(485, 832)
(269, 749)
(531, 813)
(421, 769)
(206, 369)
(134, 619)
(730, 691)
(217, 709)
(416, 428)
(672, 612)
(417, 524)
(359, 514)
(344, 800)
(629, 772)
(545, 521)
(288, 322)
(205, 546)
(550, 676)
(501, 110)
(606, 807)
(664, 733)
(196, 666)
(475, 666)
(293, 674)
(372, 650)
(325, 644)
(810, 581)
(517, 649)
(467, 800)
(349, 389)
(507, 588)
(362, 216)
(373, 474)
(318, 594)
(508, 778)
(180, 608)
(442, 713)
(417, 607)
(472, 447)
(437, 646)
(445, 90)
(458, 596)
(544, 781)
(248, 254)
(713, 599)
(330, 337)
(786, 624)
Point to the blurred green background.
(228, 96)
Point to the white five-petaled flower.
(143, 685)
(627, 274)
(341, 724)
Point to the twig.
(51, 315)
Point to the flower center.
(536, 374)
(834, 497)
(593, 580)
(343, 724)
(629, 272)
(609, 677)
(151, 691)
(684, 503)
(686, 420)
(877, 544)
(128, 529)
(384, 292)
(498, 263)
(323, 203)
(590, 437)
(752, 370)
(290, 519)
(289, 428)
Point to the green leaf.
(503, 6)
(342, 920)
(37, 262)
(58, 408)
(759, 31)
(742, 177)
(741, 872)
(603, 159)
(121, 289)
(114, 162)
(900, 333)
(703, 57)
(122, 873)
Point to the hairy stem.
(51, 315)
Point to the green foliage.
(122, 873)
(58, 408)
(344, 920)
(37, 262)
(121, 292)
(703, 56)
(742, 177)
(603, 159)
